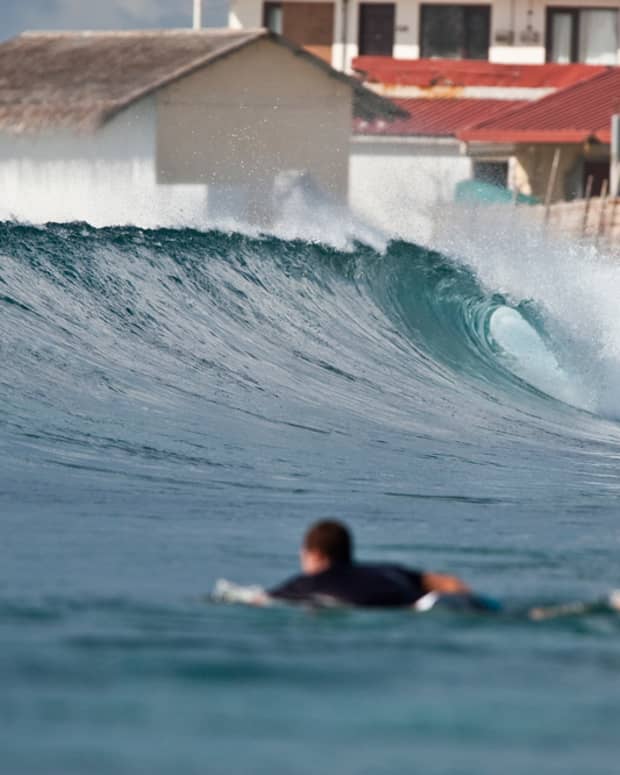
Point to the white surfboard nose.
(227, 592)
(426, 602)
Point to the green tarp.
(479, 192)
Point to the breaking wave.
(172, 352)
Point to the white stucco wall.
(105, 178)
(398, 185)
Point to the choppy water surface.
(176, 406)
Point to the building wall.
(246, 14)
(524, 20)
(397, 184)
(253, 116)
(104, 178)
(532, 14)
(531, 169)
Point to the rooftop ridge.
(154, 31)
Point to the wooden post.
(601, 212)
(551, 183)
(586, 207)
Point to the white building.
(401, 171)
(153, 128)
(510, 31)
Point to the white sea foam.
(574, 287)
(527, 355)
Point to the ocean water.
(177, 406)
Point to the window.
(494, 172)
(376, 29)
(582, 35)
(455, 31)
(272, 17)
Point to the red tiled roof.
(571, 115)
(426, 73)
(437, 117)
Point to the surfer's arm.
(446, 585)
(296, 589)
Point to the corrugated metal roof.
(437, 117)
(428, 73)
(571, 115)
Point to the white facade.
(104, 178)
(518, 28)
(397, 183)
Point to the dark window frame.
(491, 165)
(360, 25)
(575, 12)
(267, 6)
(557, 10)
(466, 6)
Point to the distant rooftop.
(573, 115)
(459, 73)
(82, 79)
(437, 117)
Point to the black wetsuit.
(355, 584)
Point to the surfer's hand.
(447, 585)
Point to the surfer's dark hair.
(332, 539)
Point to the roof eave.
(529, 137)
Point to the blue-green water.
(177, 406)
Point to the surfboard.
(228, 592)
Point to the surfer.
(330, 574)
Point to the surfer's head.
(327, 543)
